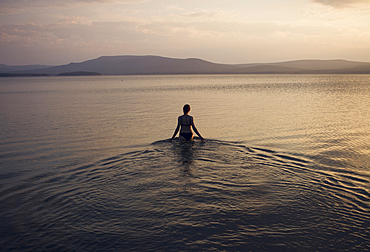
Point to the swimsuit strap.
(185, 124)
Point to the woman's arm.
(195, 129)
(176, 130)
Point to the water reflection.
(185, 152)
(289, 172)
(219, 194)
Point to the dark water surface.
(85, 165)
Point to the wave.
(213, 195)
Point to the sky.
(56, 32)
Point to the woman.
(187, 123)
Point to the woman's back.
(185, 121)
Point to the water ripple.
(201, 196)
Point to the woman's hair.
(186, 108)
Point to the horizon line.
(149, 55)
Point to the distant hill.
(138, 65)
(131, 65)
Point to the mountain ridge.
(141, 65)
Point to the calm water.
(85, 165)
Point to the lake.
(86, 165)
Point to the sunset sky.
(58, 32)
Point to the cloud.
(24, 6)
(341, 3)
(74, 36)
(74, 39)
(203, 13)
(77, 39)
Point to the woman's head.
(186, 108)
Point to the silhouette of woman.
(187, 124)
